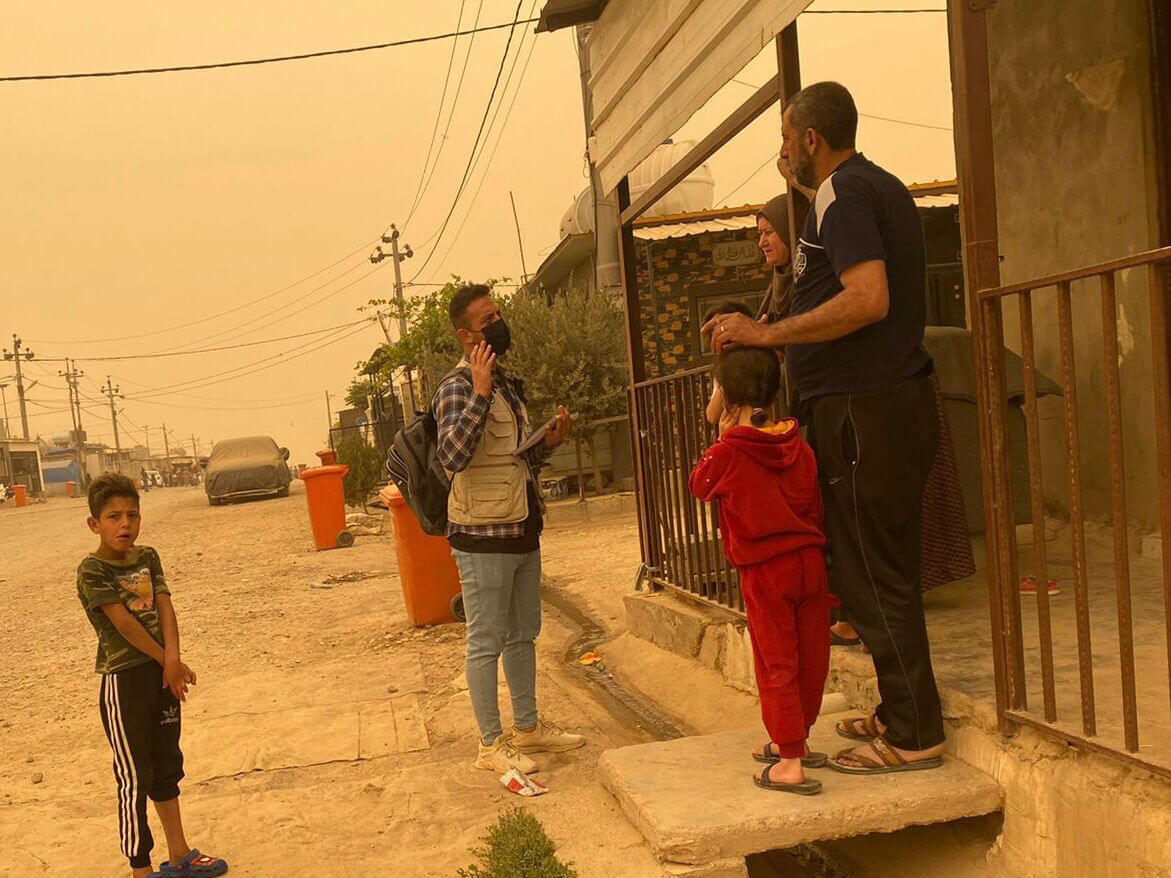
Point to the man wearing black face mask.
(494, 527)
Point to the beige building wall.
(1074, 151)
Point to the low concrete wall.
(1068, 813)
(573, 511)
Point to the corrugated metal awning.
(662, 231)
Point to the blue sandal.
(194, 863)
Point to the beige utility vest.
(493, 489)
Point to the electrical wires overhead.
(253, 62)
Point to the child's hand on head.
(728, 420)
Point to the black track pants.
(142, 723)
(874, 452)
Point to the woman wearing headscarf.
(772, 224)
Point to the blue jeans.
(502, 601)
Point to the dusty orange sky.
(133, 206)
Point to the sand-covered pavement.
(326, 737)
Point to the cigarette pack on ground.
(518, 782)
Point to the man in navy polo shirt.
(853, 349)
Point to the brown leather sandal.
(889, 760)
(849, 728)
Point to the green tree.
(517, 846)
(365, 468)
(429, 343)
(358, 393)
(570, 351)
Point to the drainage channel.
(804, 861)
(623, 705)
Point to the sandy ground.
(326, 737)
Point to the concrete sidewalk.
(695, 801)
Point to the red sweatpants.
(788, 616)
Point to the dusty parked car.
(251, 466)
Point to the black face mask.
(498, 336)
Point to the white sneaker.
(546, 738)
(502, 757)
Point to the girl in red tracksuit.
(765, 477)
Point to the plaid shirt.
(461, 414)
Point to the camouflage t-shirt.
(133, 583)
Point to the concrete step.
(695, 802)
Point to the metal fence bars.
(1004, 593)
(681, 536)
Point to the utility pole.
(112, 392)
(398, 256)
(607, 264)
(16, 355)
(71, 374)
(146, 435)
(167, 448)
(4, 398)
(194, 448)
(520, 243)
(329, 419)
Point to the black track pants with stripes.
(142, 723)
(874, 453)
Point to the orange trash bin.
(70, 489)
(21, 493)
(426, 567)
(325, 494)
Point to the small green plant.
(364, 463)
(516, 846)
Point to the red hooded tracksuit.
(770, 523)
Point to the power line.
(231, 334)
(747, 180)
(242, 400)
(419, 190)
(208, 408)
(276, 59)
(868, 11)
(246, 344)
(221, 313)
(869, 115)
(476, 143)
(499, 134)
(245, 370)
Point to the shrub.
(365, 469)
(516, 846)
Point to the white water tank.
(696, 192)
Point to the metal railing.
(1008, 633)
(681, 541)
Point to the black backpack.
(413, 465)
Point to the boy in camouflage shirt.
(125, 596)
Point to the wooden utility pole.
(112, 392)
(71, 374)
(398, 256)
(146, 433)
(329, 419)
(519, 241)
(194, 448)
(16, 355)
(167, 449)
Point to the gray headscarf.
(779, 297)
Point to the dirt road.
(326, 737)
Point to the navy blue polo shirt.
(861, 213)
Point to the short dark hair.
(749, 376)
(105, 488)
(733, 307)
(462, 300)
(827, 108)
